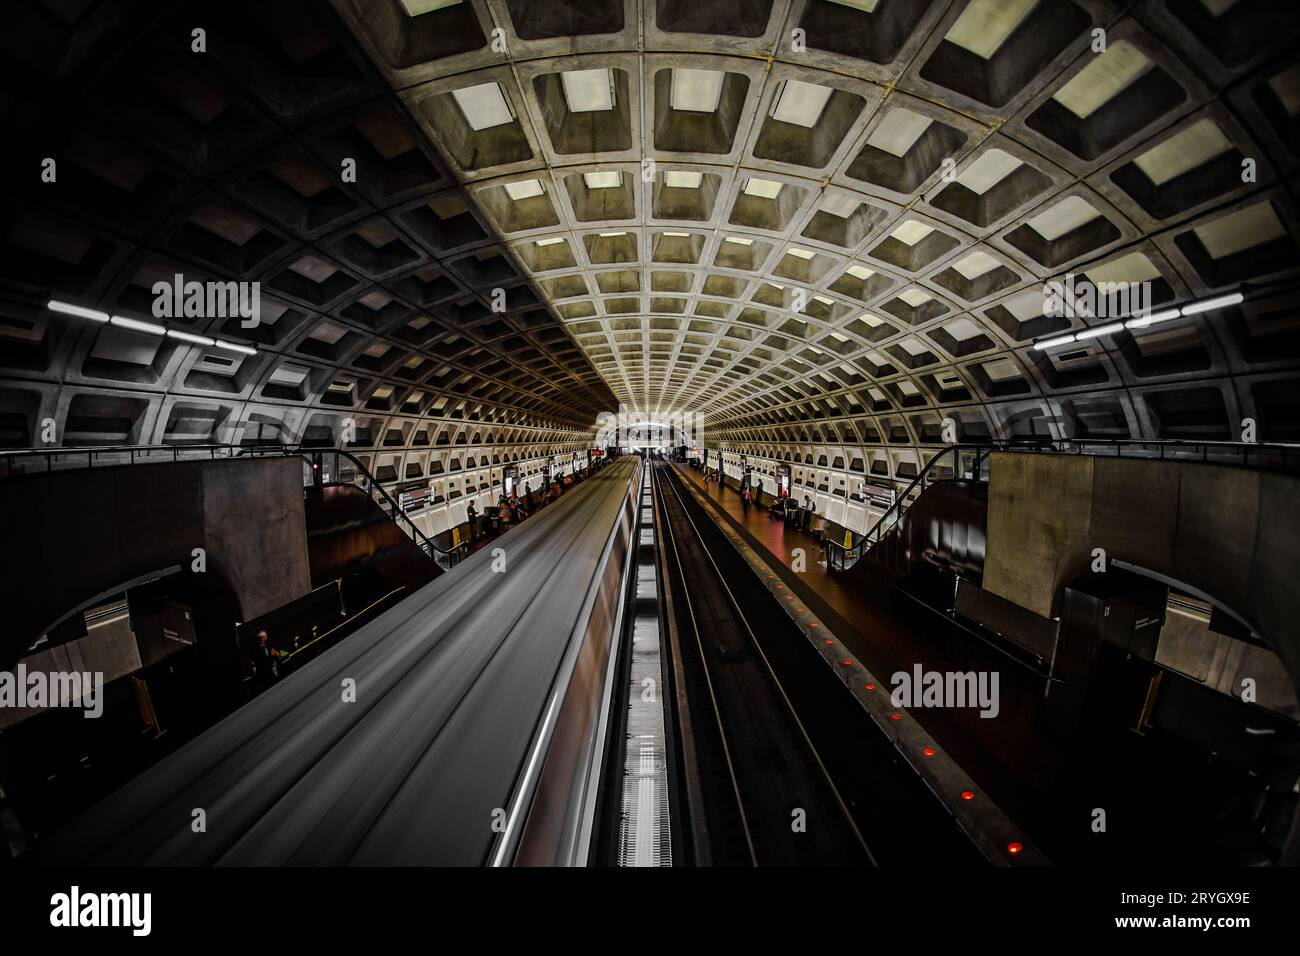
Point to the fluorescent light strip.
(187, 337)
(1109, 329)
(1218, 302)
(135, 325)
(149, 328)
(1143, 321)
(67, 308)
(1052, 343)
(231, 347)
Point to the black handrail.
(840, 558)
(1283, 456)
(372, 486)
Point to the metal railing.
(333, 466)
(841, 558)
(322, 466)
(1264, 456)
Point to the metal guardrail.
(42, 460)
(1271, 456)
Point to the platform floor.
(1023, 764)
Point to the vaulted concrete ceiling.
(391, 315)
(813, 221)
(741, 207)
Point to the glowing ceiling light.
(524, 189)
(799, 103)
(67, 308)
(1142, 321)
(1052, 343)
(696, 91)
(682, 179)
(1218, 302)
(603, 180)
(485, 106)
(1109, 329)
(762, 188)
(588, 91)
(135, 325)
(245, 350)
(188, 337)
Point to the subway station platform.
(1041, 779)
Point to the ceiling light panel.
(1104, 78)
(1064, 217)
(588, 91)
(603, 180)
(416, 8)
(484, 106)
(1183, 152)
(696, 91)
(911, 232)
(524, 189)
(898, 131)
(1241, 230)
(683, 179)
(762, 188)
(976, 264)
(987, 171)
(800, 104)
(985, 25)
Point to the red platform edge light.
(1014, 848)
(967, 795)
(846, 662)
(928, 751)
(895, 716)
(871, 686)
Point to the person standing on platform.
(471, 516)
(266, 662)
(744, 499)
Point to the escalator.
(351, 539)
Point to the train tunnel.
(776, 434)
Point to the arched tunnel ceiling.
(808, 220)
(377, 296)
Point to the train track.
(775, 731)
(772, 800)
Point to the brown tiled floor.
(1015, 757)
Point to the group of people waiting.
(510, 509)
